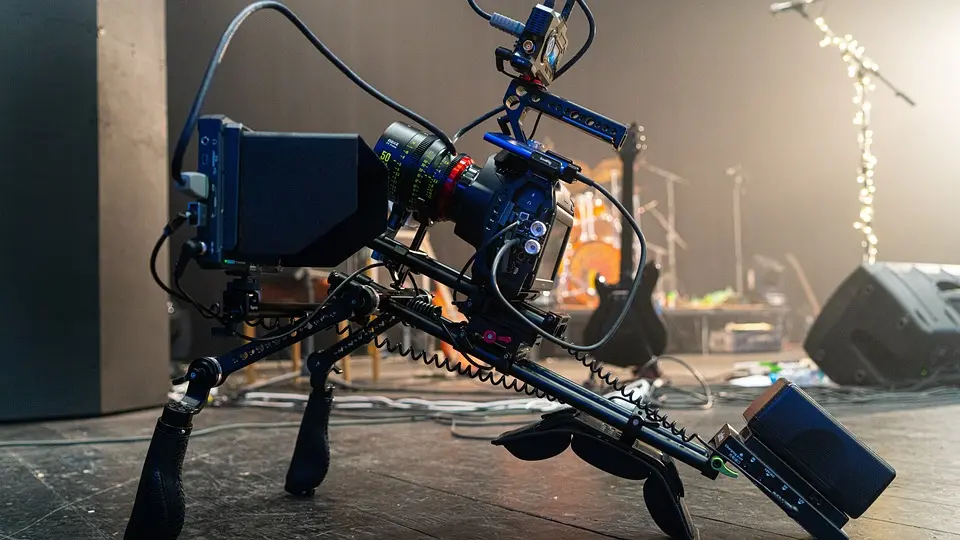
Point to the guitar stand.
(614, 452)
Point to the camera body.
(518, 188)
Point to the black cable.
(706, 397)
(478, 9)
(340, 383)
(199, 432)
(205, 312)
(188, 250)
(176, 164)
(630, 296)
(168, 231)
(481, 119)
(447, 363)
(306, 320)
(592, 33)
(186, 255)
(455, 343)
(473, 257)
(536, 124)
(413, 281)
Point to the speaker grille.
(821, 450)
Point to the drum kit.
(594, 246)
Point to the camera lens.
(422, 174)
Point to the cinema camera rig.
(266, 200)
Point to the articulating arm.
(159, 509)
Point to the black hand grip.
(159, 509)
(311, 457)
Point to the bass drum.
(581, 267)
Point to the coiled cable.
(482, 375)
(650, 412)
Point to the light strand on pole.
(859, 68)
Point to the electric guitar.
(643, 334)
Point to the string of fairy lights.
(859, 68)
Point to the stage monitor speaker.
(889, 324)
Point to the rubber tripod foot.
(591, 441)
(160, 508)
(311, 456)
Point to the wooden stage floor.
(416, 481)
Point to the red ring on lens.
(449, 187)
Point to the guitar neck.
(626, 231)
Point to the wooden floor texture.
(416, 481)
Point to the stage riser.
(683, 328)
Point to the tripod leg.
(159, 509)
(311, 455)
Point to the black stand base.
(611, 451)
(311, 455)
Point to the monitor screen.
(553, 251)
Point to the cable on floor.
(196, 433)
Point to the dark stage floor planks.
(415, 481)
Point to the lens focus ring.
(419, 167)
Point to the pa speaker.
(889, 324)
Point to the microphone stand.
(737, 174)
(861, 69)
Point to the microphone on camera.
(780, 7)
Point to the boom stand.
(861, 69)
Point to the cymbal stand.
(669, 224)
(861, 69)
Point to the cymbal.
(604, 170)
(606, 165)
